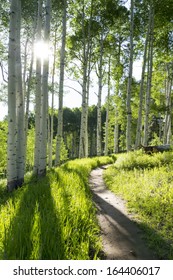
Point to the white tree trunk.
(100, 76)
(167, 125)
(61, 88)
(44, 97)
(129, 87)
(11, 142)
(83, 126)
(38, 93)
(117, 89)
(149, 78)
(139, 122)
(20, 147)
(52, 106)
(87, 88)
(107, 109)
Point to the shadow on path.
(121, 237)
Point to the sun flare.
(41, 50)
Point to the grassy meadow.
(53, 217)
(146, 183)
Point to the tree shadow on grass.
(4, 195)
(35, 231)
(81, 223)
(82, 173)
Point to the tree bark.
(107, 109)
(149, 77)
(61, 88)
(38, 94)
(100, 76)
(11, 142)
(167, 126)
(83, 142)
(129, 87)
(44, 97)
(52, 106)
(139, 122)
(20, 148)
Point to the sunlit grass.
(52, 218)
(146, 183)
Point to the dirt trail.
(121, 237)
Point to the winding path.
(121, 237)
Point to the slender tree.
(100, 77)
(51, 118)
(20, 147)
(129, 87)
(139, 122)
(149, 76)
(16, 141)
(44, 97)
(86, 41)
(107, 108)
(38, 92)
(168, 92)
(61, 86)
(11, 147)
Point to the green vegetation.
(146, 183)
(3, 148)
(53, 217)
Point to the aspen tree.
(100, 76)
(167, 125)
(38, 93)
(129, 87)
(139, 122)
(86, 47)
(16, 141)
(149, 76)
(20, 144)
(44, 97)
(11, 143)
(90, 45)
(107, 108)
(61, 87)
(50, 120)
(117, 91)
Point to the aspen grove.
(91, 50)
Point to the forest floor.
(122, 239)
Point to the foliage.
(51, 218)
(30, 149)
(145, 182)
(3, 148)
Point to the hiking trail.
(122, 239)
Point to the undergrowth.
(146, 183)
(51, 218)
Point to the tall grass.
(146, 183)
(51, 218)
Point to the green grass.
(52, 218)
(146, 183)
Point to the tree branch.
(2, 70)
(73, 89)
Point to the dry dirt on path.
(121, 237)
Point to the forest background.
(94, 44)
